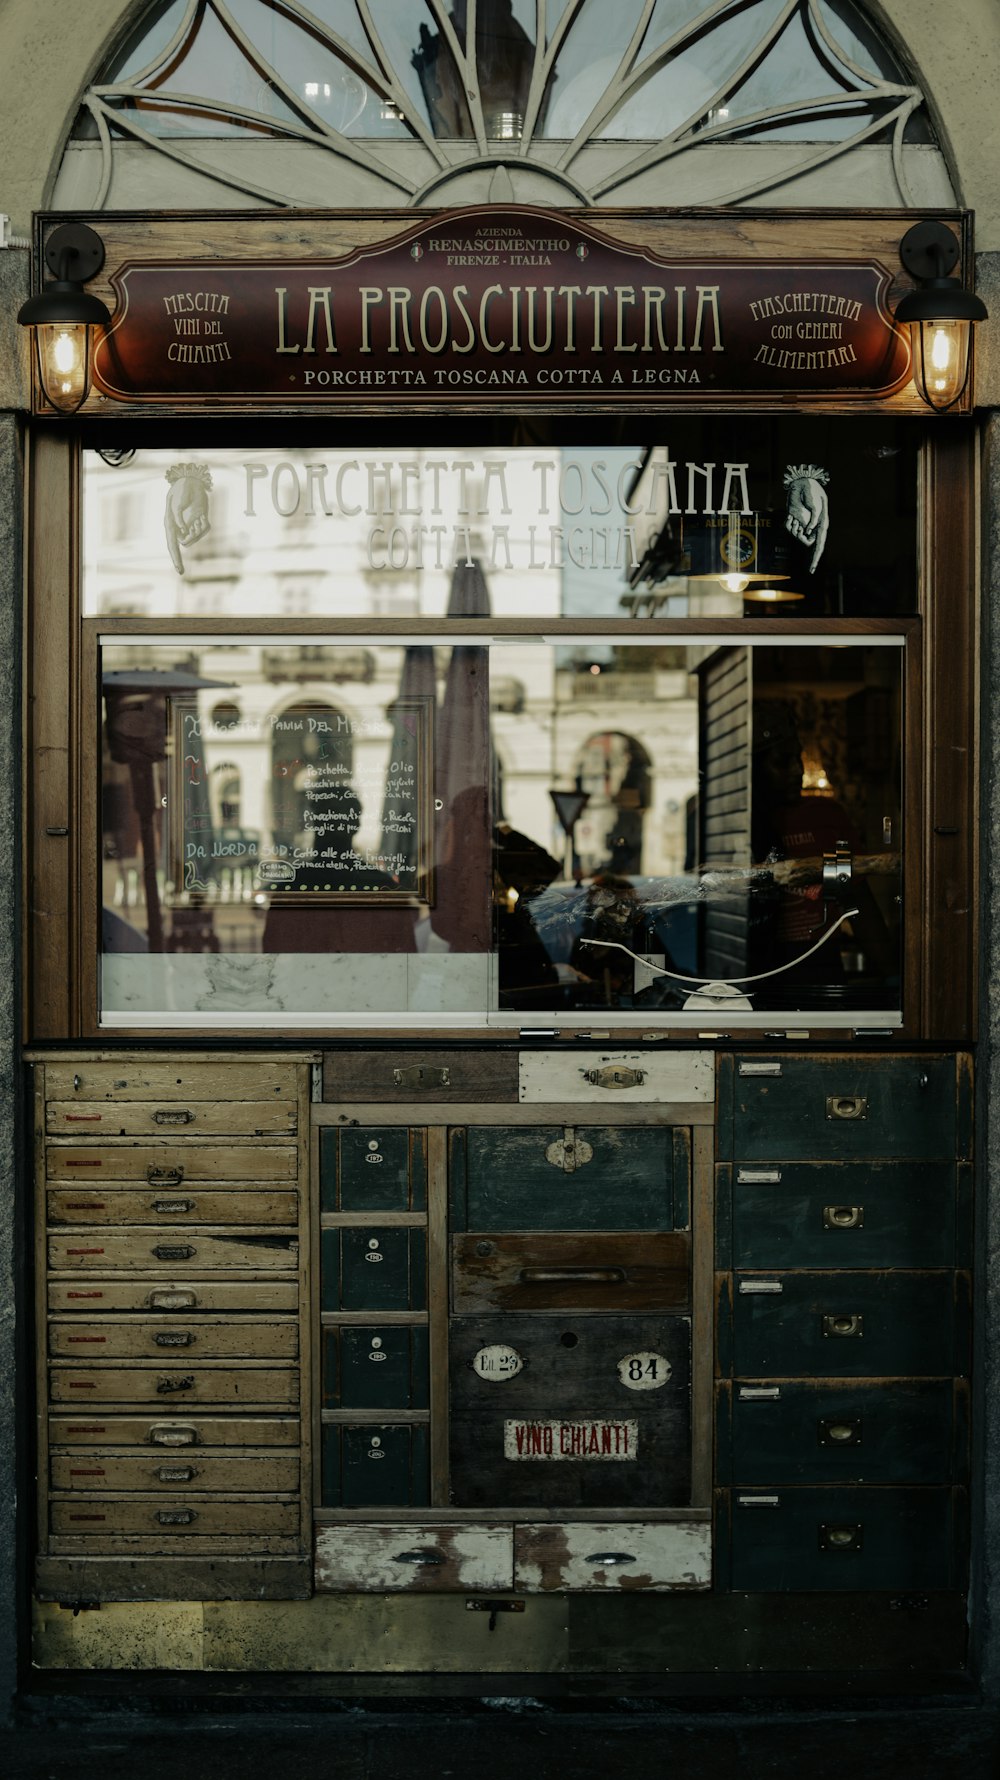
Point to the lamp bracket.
(928, 250)
(75, 252)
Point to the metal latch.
(493, 1608)
(615, 1075)
(838, 866)
(569, 1152)
(418, 1075)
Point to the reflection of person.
(613, 914)
(336, 867)
(186, 517)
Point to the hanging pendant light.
(940, 314)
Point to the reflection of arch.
(616, 772)
(226, 794)
(308, 740)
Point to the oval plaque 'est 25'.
(497, 1363)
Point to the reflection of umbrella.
(462, 779)
(417, 685)
(137, 738)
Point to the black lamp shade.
(62, 314)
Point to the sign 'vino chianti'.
(504, 308)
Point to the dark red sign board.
(521, 305)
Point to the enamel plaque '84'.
(644, 1372)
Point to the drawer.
(617, 1077)
(601, 1460)
(376, 1466)
(564, 1269)
(170, 1385)
(169, 1164)
(621, 1555)
(807, 1108)
(86, 1204)
(372, 1267)
(857, 1539)
(377, 1368)
(147, 1118)
(149, 1337)
(409, 1559)
(417, 1075)
(557, 1177)
(875, 1325)
(131, 1078)
(571, 1365)
(99, 1295)
(242, 1473)
(895, 1431)
(171, 1517)
(171, 1434)
(857, 1214)
(369, 1168)
(98, 1250)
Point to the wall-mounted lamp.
(63, 316)
(940, 314)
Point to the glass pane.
(666, 526)
(333, 832)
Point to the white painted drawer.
(433, 1559)
(616, 1078)
(601, 1557)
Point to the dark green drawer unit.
(851, 1214)
(375, 1368)
(843, 1108)
(373, 1168)
(374, 1267)
(892, 1430)
(563, 1411)
(841, 1538)
(559, 1177)
(384, 1466)
(854, 1325)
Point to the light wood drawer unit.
(174, 1344)
(617, 1555)
(413, 1559)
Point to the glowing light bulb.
(64, 353)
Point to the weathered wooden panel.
(373, 1169)
(163, 1582)
(849, 1214)
(175, 1337)
(375, 1466)
(844, 1538)
(374, 1267)
(170, 1385)
(437, 1076)
(857, 1325)
(172, 1517)
(570, 1270)
(383, 1367)
(143, 1118)
(844, 1107)
(409, 1559)
(616, 1078)
(98, 1469)
(621, 1555)
(171, 1433)
(559, 1177)
(181, 1205)
(92, 1295)
(802, 1431)
(138, 1078)
(95, 1251)
(171, 1163)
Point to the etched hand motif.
(807, 510)
(186, 517)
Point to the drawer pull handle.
(614, 1075)
(847, 1106)
(176, 1474)
(597, 1276)
(176, 1517)
(172, 1434)
(173, 1338)
(853, 1325)
(173, 1251)
(83, 1118)
(610, 1558)
(168, 1385)
(170, 1115)
(843, 1217)
(840, 1433)
(168, 1206)
(418, 1075)
(421, 1555)
(180, 1299)
(164, 1177)
(841, 1537)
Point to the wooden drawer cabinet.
(849, 1325)
(840, 1107)
(174, 1352)
(898, 1430)
(859, 1214)
(843, 1538)
(423, 1074)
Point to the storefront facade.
(502, 866)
